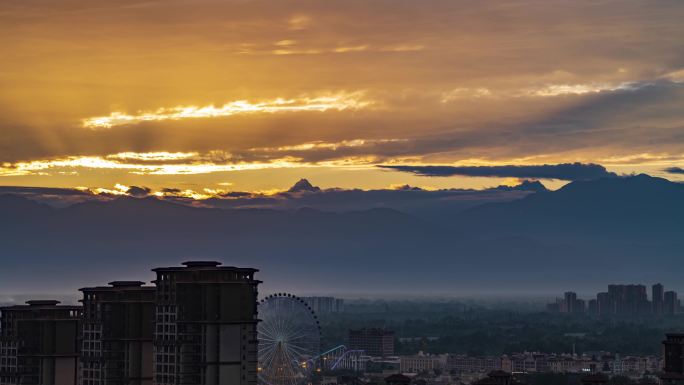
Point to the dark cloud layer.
(21, 190)
(303, 194)
(57, 197)
(565, 171)
(138, 192)
(674, 170)
(408, 199)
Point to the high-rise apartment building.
(593, 307)
(569, 302)
(657, 298)
(375, 342)
(39, 343)
(325, 305)
(670, 303)
(118, 333)
(629, 299)
(621, 300)
(206, 320)
(605, 305)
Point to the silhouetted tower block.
(628, 299)
(593, 307)
(39, 343)
(206, 318)
(657, 298)
(673, 357)
(595, 379)
(118, 334)
(605, 304)
(671, 304)
(569, 302)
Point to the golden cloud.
(335, 101)
(546, 90)
(320, 145)
(100, 162)
(191, 163)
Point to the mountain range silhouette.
(586, 234)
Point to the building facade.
(569, 302)
(422, 363)
(629, 299)
(118, 333)
(657, 298)
(39, 344)
(673, 356)
(671, 304)
(325, 305)
(375, 342)
(471, 364)
(206, 325)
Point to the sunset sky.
(211, 95)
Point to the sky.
(213, 96)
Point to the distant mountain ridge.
(640, 202)
(581, 233)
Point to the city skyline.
(330, 302)
(174, 331)
(630, 299)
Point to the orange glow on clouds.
(544, 91)
(98, 162)
(339, 101)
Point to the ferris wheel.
(289, 337)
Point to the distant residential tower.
(670, 304)
(325, 305)
(375, 342)
(657, 298)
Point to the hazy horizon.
(388, 147)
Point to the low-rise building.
(471, 364)
(422, 363)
